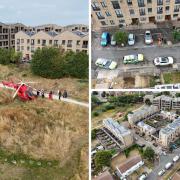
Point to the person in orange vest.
(50, 95)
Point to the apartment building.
(28, 42)
(120, 132)
(7, 34)
(142, 113)
(119, 13)
(145, 128)
(170, 133)
(165, 102)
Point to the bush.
(52, 63)
(176, 35)
(93, 134)
(95, 114)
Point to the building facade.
(120, 132)
(7, 34)
(28, 42)
(170, 133)
(118, 13)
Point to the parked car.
(148, 37)
(105, 39)
(143, 177)
(133, 59)
(176, 158)
(106, 63)
(113, 41)
(168, 165)
(131, 39)
(160, 173)
(163, 61)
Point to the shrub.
(121, 37)
(95, 114)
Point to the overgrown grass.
(173, 77)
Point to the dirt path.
(68, 100)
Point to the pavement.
(67, 100)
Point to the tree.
(102, 159)
(149, 153)
(93, 134)
(121, 37)
(148, 102)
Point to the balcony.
(177, 1)
(69, 45)
(101, 17)
(142, 13)
(119, 15)
(85, 46)
(141, 4)
(96, 8)
(159, 12)
(159, 3)
(176, 10)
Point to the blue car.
(105, 39)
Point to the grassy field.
(76, 88)
(97, 121)
(50, 137)
(170, 78)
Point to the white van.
(176, 158)
(168, 165)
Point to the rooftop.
(104, 176)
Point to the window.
(167, 1)
(159, 2)
(108, 13)
(99, 15)
(22, 40)
(131, 11)
(63, 42)
(177, 1)
(39, 41)
(167, 8)
(28, 48)
(32, 41)
(22, 48)
(159, 17)
(149, 1)
(43, 42)
(95, 6)
(176, 8)
(56, 42)
(103, 23)
(175, 15)
(118, 13)
(141, 3)
(50, 41)
(28, 41)
(103, 4)
(18, 41)
(78, 42)
(142, 12)
(159, 10)
(149, 10)
(112, 22)
(143, 19)
(129, 2)
(115, 4)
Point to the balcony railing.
(142, 13)
(176, 10)
(101, 17)
(95, 8)
(141, 4)
(119, 15)
(84, 46)
(69, 45)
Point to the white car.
(148, 37)
(106, 63)
(160, 173)
(131, 39)
(176, 158)
(163, 61)
(113, 41)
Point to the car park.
(113, 41)
(163, 61)
(105, 39)
(133, 59)
(148, 38)
(106, 63)
(160, 173)
(131, 39)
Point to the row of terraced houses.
(27, 39)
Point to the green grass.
(171, 77)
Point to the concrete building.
(118, 13)
(120, 132)
(145, 128)
(170, 133)
(142, 113)
(176, 103)
(28, 42)
(129, 166)
(7, 34)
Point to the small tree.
(102, 159)
(149, 153)
(121, 37)
(93, 134)
(148, 102)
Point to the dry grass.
(48, 130)
(75, 88)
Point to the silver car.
(131, 39)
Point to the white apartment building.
(145, 128)
(120, 132)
